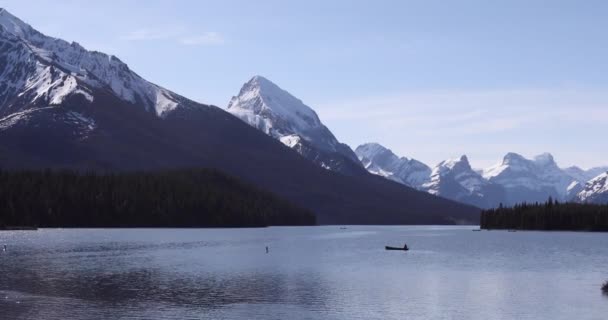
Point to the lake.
(309, 273)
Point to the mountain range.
(62, 106)
(513, 180)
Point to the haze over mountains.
(62, 106)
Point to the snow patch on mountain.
(290, 140)
(596, 190)
(17, 117)
(54, 89)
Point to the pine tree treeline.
(179, 198)
(551, 215)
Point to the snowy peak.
(378, 155)
(373, 150)
(455, 179)
(383, 162)
(531, 180)
(545, 160)
(14, 25)
(461, 163)
(453, 166)
(513, 163)
(274, 111)
(512, 158)
(33, 56)
(271, 109)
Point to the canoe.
(396, 248)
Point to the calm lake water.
(310, 273)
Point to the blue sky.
(428, 79)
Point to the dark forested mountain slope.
(184, 198)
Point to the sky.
(428, 79)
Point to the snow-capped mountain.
(383, 162)
(40, 71)
(595, 191)
(514, 180)
(530, 180)
(455, 179)
(265, 106)
(62, 106)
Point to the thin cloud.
(506, 109)
(176, 34)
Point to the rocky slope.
(595, 191)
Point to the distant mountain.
(583, 176)
(456, 180)
(62, 106)
(595, 191)
(514, 180)
(383, 162)
(527, 180)
(274, 111)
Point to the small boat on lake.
(404, 248)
